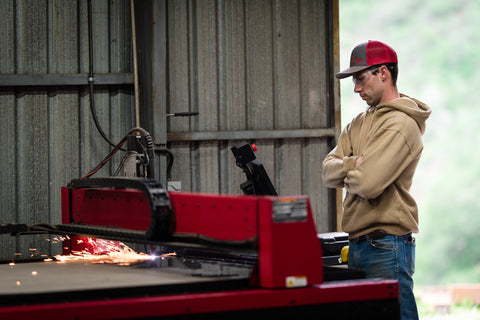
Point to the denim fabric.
(392, 257)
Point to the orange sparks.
(171, 254)
(105, 251)
(34, 252)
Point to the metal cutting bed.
(73, 281)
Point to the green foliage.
(438, 44)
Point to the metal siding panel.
(313, 78)
(121, 103)
(7, 49)
(64, 161)
(287, 95)
(159, 75)
(32, 122)
(8, 200)
(287, 70)
(63, 57)
(122, 115)
(315, 102)
(8, 160)
(178, 15)
(224, 163)
(101, 36)
(232, 88)
(314, 150)
(32, 162)
(63, 47)
(120, 33)
(178, 65)
(182, 166)
(205, 38)
(31, 36)
(232, 92)
(259, 48)
(288, 163)
(208, 163)
(82, 37)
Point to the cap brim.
(348, 72)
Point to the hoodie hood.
(416, 109)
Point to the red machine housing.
(287, 282)
(281, 228)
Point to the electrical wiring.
(146, 158)
(107, 158)
(122, 164)
(148, 151)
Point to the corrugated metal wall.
(257, 71)
(46, 132)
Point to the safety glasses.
(363, 77)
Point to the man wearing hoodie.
(375, 160)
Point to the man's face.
(368, 86)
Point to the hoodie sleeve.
(339, 162)
(391, 150)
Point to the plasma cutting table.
(235, 257)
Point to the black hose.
(170, 160)
(91, 78)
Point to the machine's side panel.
(290, 254)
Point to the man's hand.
(358, 160)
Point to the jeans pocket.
(383, 258)
(386, 243)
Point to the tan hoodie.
(388, 137)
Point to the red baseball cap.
(368, 54)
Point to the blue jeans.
(392, 257)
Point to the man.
(375, 160)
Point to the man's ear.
(384, 73)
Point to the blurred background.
(438, 45)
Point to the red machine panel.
(290, 254)
(125, 208)
(223, 218)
